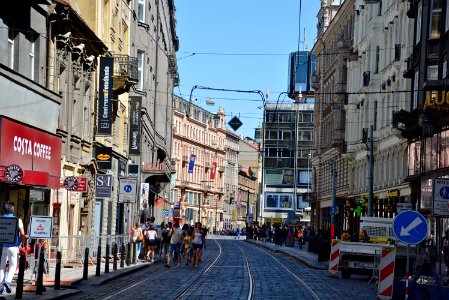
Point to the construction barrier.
(334, 257)
(386, 273)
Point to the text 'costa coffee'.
(28, 147)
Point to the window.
(435, 20)
(140, 64)
(286, 135)
(11, 48)
(141, 10)
(34, 57)
(418, 24)
(279, 201)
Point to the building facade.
(199, 139)
(287, 145)
(231, 181)
(423, 121)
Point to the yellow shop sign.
(436, 100)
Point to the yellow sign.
(392, 193)
(436, 99)
(276, 220)
(234, 215)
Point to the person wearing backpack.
(10, 252)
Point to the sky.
(240, 45)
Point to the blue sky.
(240, 45)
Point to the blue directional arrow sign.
(410, 227)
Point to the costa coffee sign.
(30, 148)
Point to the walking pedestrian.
(138, 238)
(186, 245)
(151, 236)
(10, 252)
(175, 244)
(197, 244)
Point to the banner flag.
(213, 171)
(192, 163)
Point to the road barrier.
(386, 273)
(334, 257)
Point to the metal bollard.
(97, 271)
(133, 259)
(20, 276)
(40, 274)
(128, 254)
(114, 251)
(106, 266)
(58, 271)
(86, 264)
(122, 256)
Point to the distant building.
(287, 147)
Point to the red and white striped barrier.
(386, 273)
(334, 257)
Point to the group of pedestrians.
(169, 242)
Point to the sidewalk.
(70, 277)
(302, 255)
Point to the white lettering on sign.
(106, 92)
(28, 147)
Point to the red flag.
(213, 171)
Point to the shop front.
(30, 166)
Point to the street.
(231, 269)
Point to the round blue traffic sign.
(127, 188)
(410, 227)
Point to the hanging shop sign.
(35, 152)
(104, 121)
(8, 230)
(135, 124)
(13, 173)
(103, 186)
(103, 156)
(75, 184)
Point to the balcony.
(125, 73)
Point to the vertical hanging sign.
(134, 134)
(104, 112)
(192, 163)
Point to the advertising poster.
(134, 128)
(144, 191)
(279, 201)
(279, 177)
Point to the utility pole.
(370, 171)
(334, 194)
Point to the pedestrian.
(300, 237)
(151, 236)
(166, 241)
(197, 244)
(10, 252)
(175, 244)
(160, 235)
(145, 228)
(446, 250)
(138, 237)
(186, 245)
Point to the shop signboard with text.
(104, 115)
(37, 152)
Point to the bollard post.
(106, 266)
(122, 256)
(128, 254)
(20, 276)
(133, 259)
(86, 264)
(97, 271)
(58, 271)
(40, 273)
(114, 251)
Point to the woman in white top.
(151, 236)
(197, 243)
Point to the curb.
(303, 261)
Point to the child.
(187, 246)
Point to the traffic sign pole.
(407, 270)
